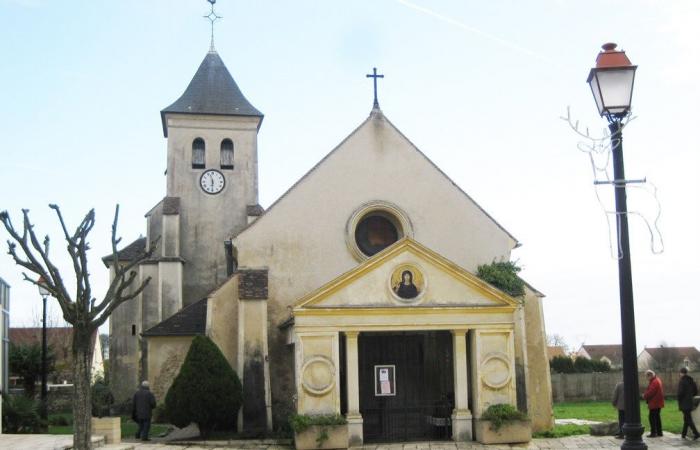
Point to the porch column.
(353, 416)
(461, 416)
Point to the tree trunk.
(82, 405)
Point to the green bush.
(207, 391)
(566, 364)
(504, 276)
(25, 361)
(124, 408)
(60, 420)
(560, 431)
(562, 364)
(20, 414)
(302, 422)
(600, 366)
(101, 397)
(501, 414)
(583, 365)
(159, 415)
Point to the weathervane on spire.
(212, 17)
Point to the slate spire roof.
(211, 91)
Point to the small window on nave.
(227, 154)
(198, 153)
(375, 232)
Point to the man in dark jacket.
(144, 402)
(618, 402)
(687, 390)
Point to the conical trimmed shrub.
(207, 390)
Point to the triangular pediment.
(429, 281)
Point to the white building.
(5, 343)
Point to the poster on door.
(384, 380)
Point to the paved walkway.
(53, 442)
(42, 441)
(669, 441)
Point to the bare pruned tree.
(53, 318)
(80, 309)
(556, 340)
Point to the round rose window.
(375, 232)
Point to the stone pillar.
(461, 416)
(353, 389)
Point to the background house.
(669, 358)
(59, 339)
(4, 340)
(612, 354)
(554, 351)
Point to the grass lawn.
(671, 417)
(129, 427)
(563, 431)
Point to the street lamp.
(612, 82)
(44, 292)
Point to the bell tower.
(212, 168)
(211, 195)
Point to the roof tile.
(612, 352)
(675, 352)
(128, 253)
(189, 321)
(211, 91)
(171, 205)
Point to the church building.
(354, 293)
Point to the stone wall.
(167, 354)
(60, 398)
(575, 387)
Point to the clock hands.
(212, 181)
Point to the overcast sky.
(478, 86)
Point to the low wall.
(575, 387)
(59, 397)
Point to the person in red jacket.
(654, 395)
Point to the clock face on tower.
(212, 181)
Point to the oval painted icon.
(407, 282)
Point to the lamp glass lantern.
(43, 291)
(612, 82)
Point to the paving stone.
(51, 442)
(124, 446)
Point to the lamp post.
(612, 82)
(44, 292)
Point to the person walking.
(654, 395)
(687, 390)
(144, 402)
(618, 402)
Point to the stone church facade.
(354, 293)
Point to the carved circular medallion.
(495, 370)
(407, 283)
(318, 375)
